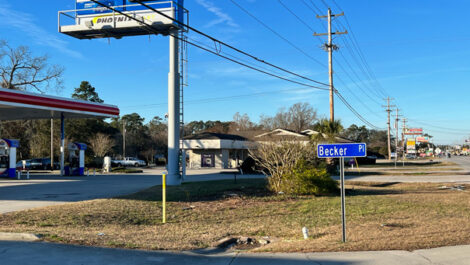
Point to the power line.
(439, 127)
(295, 15)
(152, 30)
(315, 6)
(355, 96)
(347, 104)
(206, 100)
(211, 38)
(277, 34)
(351, 108)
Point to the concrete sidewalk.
(14, 253)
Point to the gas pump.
(8, 157)
(76, 159)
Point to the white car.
(129, 161)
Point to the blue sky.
(417, 52)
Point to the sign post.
(341, 151)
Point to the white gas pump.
(76, 159)
(8, 157)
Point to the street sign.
(341, 150)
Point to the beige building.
(215, 150)
(222, 151)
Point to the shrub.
(307, 178)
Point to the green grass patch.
(126, 170)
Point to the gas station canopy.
(20, 105)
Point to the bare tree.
(101, 144)
(20, 70)
(242, 122)
(301, 116)
(298, 117)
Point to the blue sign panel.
(86, 7)
(341, 150)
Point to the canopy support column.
(62, 143)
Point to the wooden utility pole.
(388, 110)
(330, 47)
(396, 138)
(404, 120)
(403, 138)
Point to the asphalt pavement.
(446, 177)
(51, 189)
(26, 253)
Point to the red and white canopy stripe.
(20, 105)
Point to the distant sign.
(341, 150)
(422, 139)
(414, 131)
(410, 144)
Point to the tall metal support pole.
(173, 177)
(52, 144)
(330, 68)
(343, 199)
(62, 143)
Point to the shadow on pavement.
(25, 253)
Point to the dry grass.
(379, 216)
(411, 164)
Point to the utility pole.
(403, 138)
(396, 138)
(330, 47)
(388, 110)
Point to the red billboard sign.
(414, 131)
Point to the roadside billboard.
(410, 146)
(422, 139)
(414, 131)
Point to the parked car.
(368, 160)
(128, 161)
(40, 163)
(27, 165)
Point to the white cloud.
(222, 17)
(26, 23)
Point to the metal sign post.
(343, 199)
(341, 151)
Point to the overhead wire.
(357, 98)
(151, 29)
(277, 34)
(211, 38)
(206, 100)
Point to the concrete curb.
(24, 237)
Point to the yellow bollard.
(164, 198)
